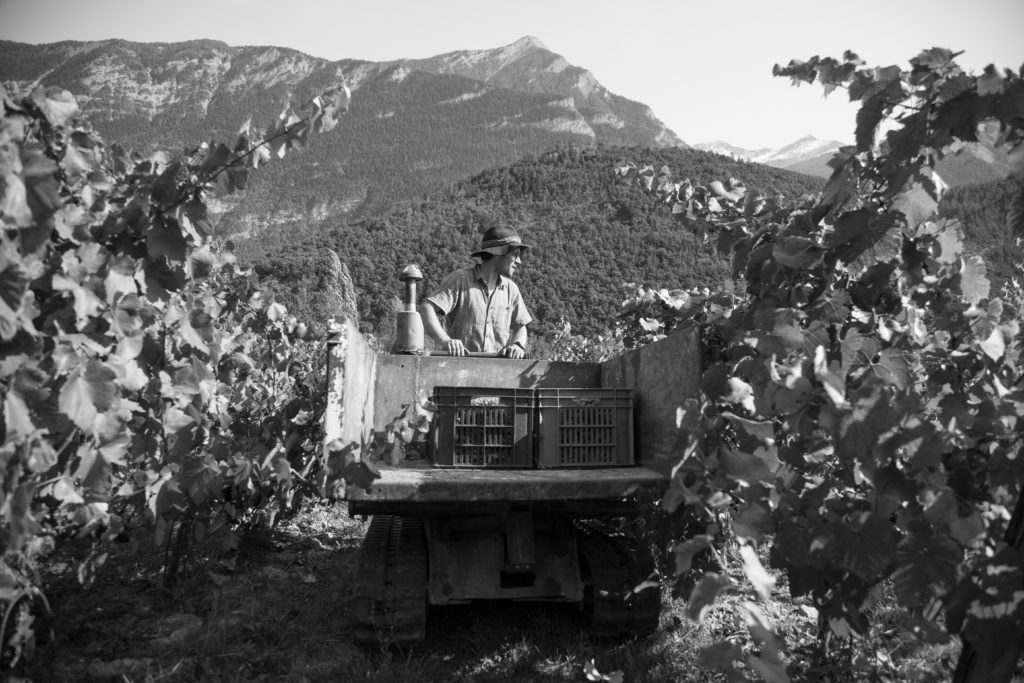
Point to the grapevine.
(861, 405)
(147, 385)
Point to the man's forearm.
(519, 336)
(431, 324)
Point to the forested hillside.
(983, 209)
(591, 235)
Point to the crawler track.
(616, 566)
(390, 593)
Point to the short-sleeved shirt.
(483, 322)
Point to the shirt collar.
(478, 277)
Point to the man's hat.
(498, 240)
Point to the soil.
(283, 614)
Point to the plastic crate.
(482, 427)
(585, 427)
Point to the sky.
(704, 67)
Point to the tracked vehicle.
(526, 465)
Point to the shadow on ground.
(284, 615)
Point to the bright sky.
(704, 67)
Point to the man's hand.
(456, 347)
(513, 351)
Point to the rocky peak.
(527, 43)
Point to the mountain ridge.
(415, 125)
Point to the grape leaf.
(858, 349)
(13, 285)
(276, 312)
(871, 414)
(42, 191)
(43, 456)
(865, 550)
(87, 305)
(950, 235)
(166, 242)
(685, 551)
(76, 400)
(849, 227)
(120, 279)
(162, 279)
(783, 326)
(752, 523)
(830, 376)
(216, 158)
(651, 324)
(788, 398)
(842, 184)
(17, 419)
(835, 309)
(932, 59)
(56, 104)
(916, 204)
(166, 191)
(927, 569)
(868, 117)
(974, 281)
(14, 201)
(749, 468)
(967, 528)
(704, 594)
(892, 367)
(797, 252)
(79, 159)
(994, 345)
(761, 433)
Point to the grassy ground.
(283, 615)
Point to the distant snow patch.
(400, 74)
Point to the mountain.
(973, 163)
(414, 125)
(808, 155)
(528, 66)
(732, 151)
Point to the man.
(483, 307)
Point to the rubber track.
(618, 565)
(390, 596)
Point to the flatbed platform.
(369, 391)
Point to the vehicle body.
(450, 535)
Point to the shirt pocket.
(500, 314)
